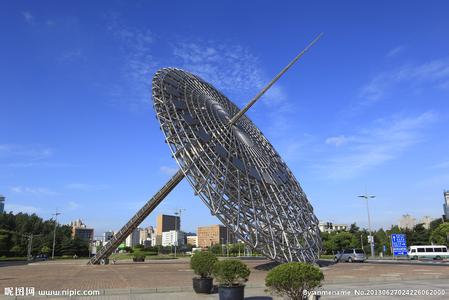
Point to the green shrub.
(231, 272)
(138, 257)
(291, 279)
(202, 263)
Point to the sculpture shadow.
(267, 266)
(325, 263)
(272, 264)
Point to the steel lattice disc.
(234, 169)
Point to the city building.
(167, 223)
(330, 227)
(211, 235)
(173, 238)
(143, 235)
(407, 222)
(133, 239)
(80, 230)
(107, 235)
(192, 240)
(2, 203)
(426, 220)
(446, 205)
(156, 240)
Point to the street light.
(56, 214)
(178, 212)
(371, 239)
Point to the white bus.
(433, 251)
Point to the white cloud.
(73, 55)
(17, 208)
(337, 140)
(395, 51)
(38, 191)
(374, 146)
(229, 67)
(435, 72)
(29, 18)
(168, 170)
(72, 205)
(86, 187)
(138, 66)
(22, 151)
(442, 165)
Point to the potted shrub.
(138, 257)
(291, 279)
(202, 264)
(231, 274)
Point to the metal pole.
(178, 212)
(361, 240)
(267, 87)
(30, 246)
(227, 242)
(176, 233)
(56, 214)
(371, 241)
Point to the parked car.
(350, 255)
(40, 257)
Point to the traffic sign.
(399, 244)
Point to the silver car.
(350, 255)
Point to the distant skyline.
(365, 109)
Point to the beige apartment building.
(211, 235)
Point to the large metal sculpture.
(232, 167)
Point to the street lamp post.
(56, 214)
(371, 238)
(178, 212)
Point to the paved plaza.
(172, 279)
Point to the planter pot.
(231, 292)
(202, 285)
(138, 259)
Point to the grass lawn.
(148, 256)
(19, 258)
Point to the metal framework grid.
(234, 169)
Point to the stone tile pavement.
(172, 279)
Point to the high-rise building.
(143, 235)
(330, 227)
(107, 235)
(192, 240)
(134, 238)
(79, 230)
(446, 205)
(166, 223)
(156, 240)
(173, 238)
(211, 235)
(2, 203)
(426, 220)
(407, 222)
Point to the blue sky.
(366, 107)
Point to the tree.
(17, 250)
(216, 249)
(45, 250)
(418, 236)
(440, 234)
(354, 229)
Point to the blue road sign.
(399, 244)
